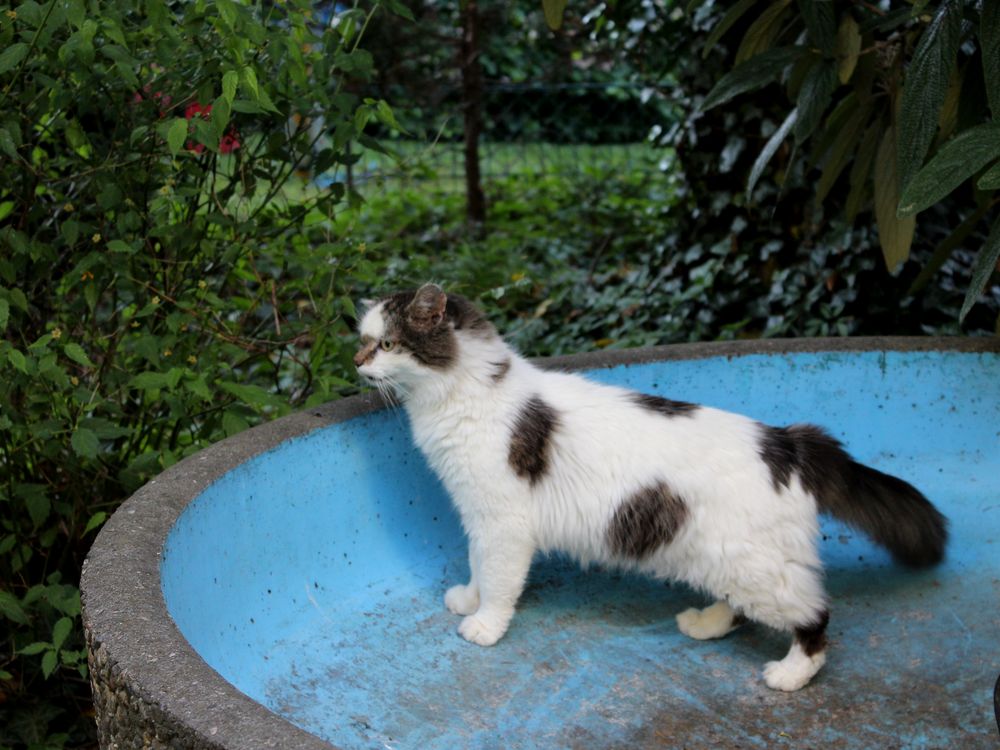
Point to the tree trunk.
(472, 97)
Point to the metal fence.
(528, 128)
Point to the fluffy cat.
(549, 461)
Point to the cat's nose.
(364, 354)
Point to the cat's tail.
(893, 513)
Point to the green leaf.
(176, 135)
(249, 80)
(120, 246)
(17, 359)
(85, 442)
(732, 16)
(986, 264)
(95, 520)
(814, 98)
(227, 11)
(199, 387)
(49, 663)
(821, 26)
(989, 43)
(230, 80)
(148, 381)
(769, 149)
(956, 161)
(11, 608)
(76, 353)
(4, 314)
(12, 56)
(233, 422)
(35, 500)
(762, 32)
(553, 10)
(221, 111)
(895, 235)
(61, 631)
(926, 85)
(33, 649)
(753, 74)
(253, 395)
(7, 144)
(848, 48)
(990, 179)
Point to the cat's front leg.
(501, 563)
(463, 599)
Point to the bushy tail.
(893, 513)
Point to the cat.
(537, 460)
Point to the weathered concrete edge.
(152, 689)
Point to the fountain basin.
(283, 588)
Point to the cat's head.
(412, 336)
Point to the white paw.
(462, 600)
(703, 624)
(794, 671)
(485, 632)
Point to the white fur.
(752, 548)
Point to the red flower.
(196, 108)
(196, 147)
(230, 142)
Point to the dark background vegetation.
(170, 275)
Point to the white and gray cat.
(549, 461)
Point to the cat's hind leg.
(805, 658)
(712, 622)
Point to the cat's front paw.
(483, 631)
(462, 600)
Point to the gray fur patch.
(531, 441)
(665, 406)
(500, 370)
(646, 521)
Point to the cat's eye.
(387, 345)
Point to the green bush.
(167, 276)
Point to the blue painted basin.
(311, 578)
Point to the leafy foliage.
(602, 260)
(166, 277)
(911, 79)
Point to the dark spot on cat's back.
(645, 521)
(531, 441)
(665, 406)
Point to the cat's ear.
(426, 311)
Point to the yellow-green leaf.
(554, 10)
(895, 235)
(762, 32)
(848, 47)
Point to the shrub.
(167, 277)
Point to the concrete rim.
(125, 615)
